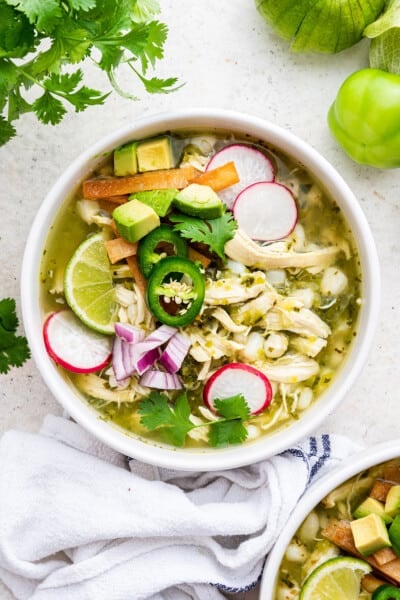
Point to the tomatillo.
(159, 243)
(175, 291)
(365, 118)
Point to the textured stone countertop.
(229, 58)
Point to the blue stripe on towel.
(326, 445)
(239, 590)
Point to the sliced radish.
(266, 211)
(238, 378)
(73, 346)
(251, 164)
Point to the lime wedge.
(89, 288)
(336, 579)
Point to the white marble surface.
(229, 58)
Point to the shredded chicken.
(302, 321)
(290, 368)
(211, 346)
(251, 254)
(226, 321)
(251, 312)
(232, 291)
(96, 387)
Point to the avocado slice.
(370, 534)
(394, 534)
(134, 220)
(371, 505)
(159, 200)
(125, 161)
(154, 154)
(392, 504)
(199, 201)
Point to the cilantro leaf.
(42, 13)
(144, 10)
(234, 407)
(155, 85)
(7, 131)
(8, 316)
(17, 105)
(229, 430)
(154, 49)
(223, 433)
(65, 82)
(16, 33)
(14, 350)
(48, 109)
(55, 34)
(85, 97)
(82, 4)
(212, 232)
(171, 420)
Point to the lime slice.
(336, 579)
(89, 286)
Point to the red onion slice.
(161, 380)
(143, 352)
(129, 333)
(175, 352)
(117, 360)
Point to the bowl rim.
(354, 464)
(234, 456)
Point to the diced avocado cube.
(125, 161)
(371, 505)
(392, 504)
(134, 220)
(199, 201)
(394, 534)
(159, 200)
(370, 534)
(155, 154)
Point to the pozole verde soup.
(206, 289)
(359, 520)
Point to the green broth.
(323, 223)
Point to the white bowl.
(352, 466)
(201, 459)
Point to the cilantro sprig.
(14, 349)
(212, 232)
(173, 422)
(42, 42)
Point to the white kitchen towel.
(80, 521)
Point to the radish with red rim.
(239, 378)
(266, 211)
(74, 346)
(251, 164)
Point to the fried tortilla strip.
(108, 187)
(380, 490)
(370, 583)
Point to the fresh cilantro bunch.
(14, 349)
(212, 232)
(41, 42)
(173, 420)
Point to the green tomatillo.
(365, 118)
(320, 25)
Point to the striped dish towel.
(80, 522)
